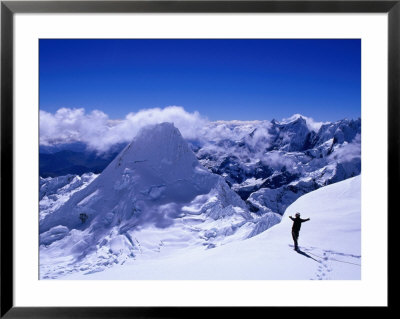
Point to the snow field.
(329, 243)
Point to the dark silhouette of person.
(296, 228)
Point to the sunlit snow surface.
(54, 192)
(329, 242)
(156, 205)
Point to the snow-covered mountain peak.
(155, 185)
(304, 120)
(293, 118)
(158, 151)
(160, 141)
(157, 167)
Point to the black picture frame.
(9, 8)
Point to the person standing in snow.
(296, 228)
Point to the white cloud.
(348, 151)
(99, 132)
(277, 160)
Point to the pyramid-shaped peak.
(159, 144)
(158, 130)
(157, 150)
(158, 134)
(157, 168)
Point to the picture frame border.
(9, 8)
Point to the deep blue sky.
(222, 79)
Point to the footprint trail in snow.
(327, 260)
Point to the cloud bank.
(99, 132)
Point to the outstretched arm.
(291, 218)
(305, 220)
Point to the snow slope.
(54, 192)
(330, 246)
